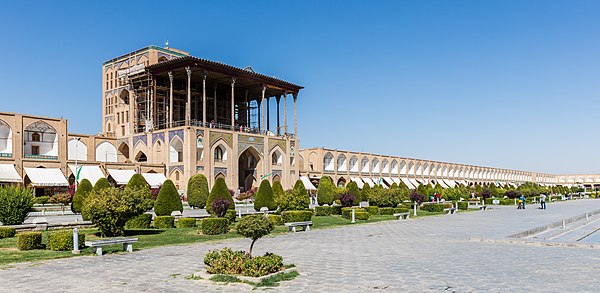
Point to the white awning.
(359, 182)
(407, 183)
(414, 182)
(388, 180)
(91, 173)
(396, 180)
(307, 184)
(369, 181)
(155, 180)
(441, 183)
(450, 183)
(46, 177)
(121, 177)
(8, 173)
(380, 181)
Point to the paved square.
(420, 255)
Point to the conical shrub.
(197, 191)
(83, 189)
(326, 191)
(219, 191)
(264, 197)
(168, 200)
(101, 184)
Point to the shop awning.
(441, 183)
(396, 180)
(121, 177)
(379, 181)
(388, 180)
(369, 181)
(359, 182)
(42, 177)
(155, 180)
(91, 173)
(450, 183)
(407, 183)
(307, 184)
(8, 174)
(414, 182)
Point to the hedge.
(63, 240)
(7, 232)
(264, 197)
(41, 200)
(231, 216)
(168, 200)
(296, 216)
(139, 222)
(386, 211)
(29, 240)
(186, 223)
(197, 191)
(433, 207)
(164, 222)
(462, 205)
(276, 219)
(362, 215)
(336, 210)
(373, 210)
(400, 210)
(322, 211)
(214, 226)
(347, 212)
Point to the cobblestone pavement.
(430, 254)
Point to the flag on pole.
(78, 172)
(265, 176)
(380, 181)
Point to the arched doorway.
(341, 182)
(141, 157)
(249, 169)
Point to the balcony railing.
(218, 125)
(5, 155)
(42, 157)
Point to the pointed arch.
(328, 162)
(106, 152)
(176, 150)
(385, 168)
(41, 139)
(375, 165)
(249, 168)
(6, 138)
(124, 150)
(77, 150)
(394, 167)
(341, 182)
(354, 164)
(276, 156)
(141, 157)
(364, 165)
(220, 152)
(341, 163)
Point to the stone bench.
(97, 244)
(450, 210)
(403, 216)
(483, 208)
(305, 225)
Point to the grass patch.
(273, 281)
(225, 279)
(334, 221)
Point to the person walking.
(522, 200)
(543, 201)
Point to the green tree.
(366, 192)
(254, 227)
(264, 196)
(296, 199)
(326, 191)
(168, 200)
(423, 190)
(102, 183)
(138, 184)
(197, 191)
(83, 189)
(277, 190)
(394, 186)
(402, 185)
(354, 191)
(219, 191)
(15, 204)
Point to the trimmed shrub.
(373, 210)
(227, 261)
(385, 197)
(168, 200)
(82, 192)
(347, 212)
(231, 216)
(63, 240)
(400, 210)
(336, 210)
(433, 207)
(138, 183)
(186, 223)
(164, 222)
(7, 232)
(386, 211)
(346, 199)
(214, 226)
(361, 215)
(463, 205)
(254, 227)
(220, 207)
(353, 190)
(15, 204)
(142, 221)
(322, 211)
(197, 191)
(264, 197)
(326, 191)
(101, 184)
(296, 216)
(219, 191)
(277, 191)
(416, 196)
(41, 200)
(29, 240)
(276, 219)
(296, 199)
(110, 208)
(366, 192)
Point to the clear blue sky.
(511, 84)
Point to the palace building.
(166, 114)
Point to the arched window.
(77, 150)
(276, 158)
(220, 154)
(176, 150)
(328, 162)
(5, 138)
(354, 164)
(341, 163)
(35, 137)
(141, 157)
(199, 147)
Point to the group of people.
(521, 202)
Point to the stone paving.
(431, 254)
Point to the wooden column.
(278, 98)
(285, 113)
(204, 100)
(170, 99)
(215, 104)
(295, 95)
(247, 110)
(188, 105)
(262, 102)
(268, 115)
(233, 103)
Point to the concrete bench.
(483, 208)
(97, 244)
(403, 216)
(305, 225)
(450, 210)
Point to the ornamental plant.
(219, 207)
(62, 199)
(197, 191)
(366, 192)
(417, 197)
(168, 200)
(295, 199)
(277, 190)
(485, 193)
(254, 227)
(15, 204)
(346, 199)
(83, 189)
(138, 184)
(219, 191)
(325, 191)
(354, 191)
(102, 183)
(264, 197)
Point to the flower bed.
(229, 262)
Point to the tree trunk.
(251, 245)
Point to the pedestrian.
(543, 201)
(522, 200)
